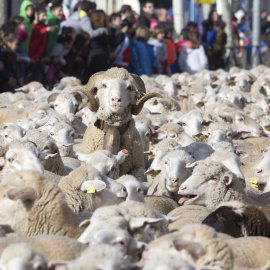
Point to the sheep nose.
(258, 170)
(173, 179)
(116, 99)
(181, 189)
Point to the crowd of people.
(48, 41)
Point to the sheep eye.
(129, 87)
(104, 85)
(124, 189)
(229, 134)
(182, 124)
(166, 162)
(52, 134)
(10, 159)
(139, 190)
(55, 105)
(172, 136)
(155, 102)
(6, 136)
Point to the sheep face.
(206, 178)
(243, 124)
(65, 103)
(115, 96)
(12, 132)
(119, 239)
(22, 156)
(264, 165)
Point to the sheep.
(237, 219)
(220, 185)
(10, 133)
(119, 95)
(243, 124)
(65, 82)
(144, 226)
(47, 145)
(32, 89)
(134, 187)
(21, 155)
(9, 115)
(65, 248)
(192, 98)
(170, 262)
(163, 205)
(64, 136)
(21, 256)
(198, 244)
(79, 196)
(198, 150)
(173, 131)
(158, 120)
(102, 257)
(39, 205)
(160, 150)
(120, 239)
(189, 214)
(217, 132)
(173, 173)
(84, 114)
(104, 161)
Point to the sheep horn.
(140, 82)
(22, 193)
(139, 104)
(92, 103)
(91, 85)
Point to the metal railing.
(241, 56)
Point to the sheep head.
(115, 95)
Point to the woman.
(99, 55)
(192, 58)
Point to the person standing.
(147, 13)
(27, 11)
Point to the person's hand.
(46, 59)
(12, 82)
(124, 29)
(2, 66)
(51, 28)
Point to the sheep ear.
(207, 121)
(140, 222)
(159, 135)
(57, 265)
(227, 179)
(42, 122)
(168, 220)
(193, 248)
(136, 246)
(145, 185)
(121, 156)
(192, 165)
(93, 186)
(225, 118)
(22, 89)
(22, 193)
(85, 223)
(77, 96)
(51, 99)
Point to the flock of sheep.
(128, 172)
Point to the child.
(39, 35)
(8, 45)
(142, 54)
(22, 27)
(171, 48)
(61, 48)
(54, 18)
(160, 50)
(27, 12)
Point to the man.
(162, 16)
(125, 12)
(147, 12)
(80, 20)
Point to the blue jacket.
(142, 58)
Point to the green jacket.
(29, 24)
(51, 36)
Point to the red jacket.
(38, 41)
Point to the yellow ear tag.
(268, 262)
(203, 137)
(152, 156)
(86, 223)
(91, 189)
(232, 84)
(254, 182)
(199, 105)
(82, 152)
(268, 128)
(155, 173)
